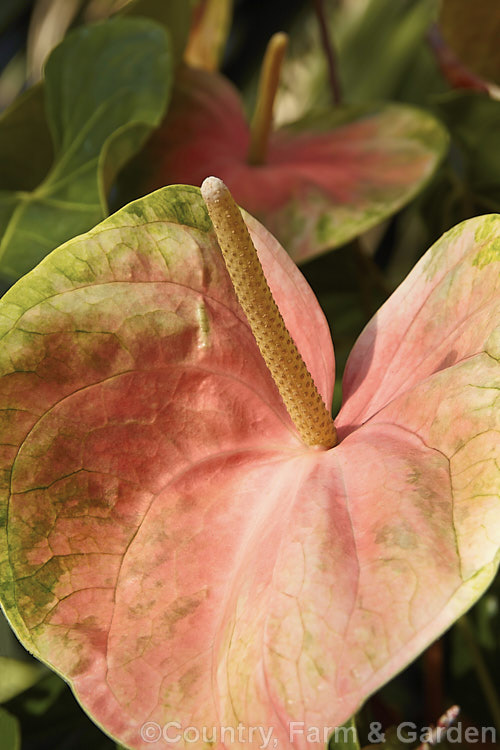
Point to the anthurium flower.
(171, 542)
(315, 184)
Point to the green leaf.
(474, 122)
(26, 150)
(48, 694)
(10, 731)
(106, 88)
(9, 644)
(50, 717)
(175, 15)
(18, 669)
(382, 55)
(17, 676)
(391, 34)
(484, 626)
(487, 610)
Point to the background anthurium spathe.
(167, 542)
(326, 179)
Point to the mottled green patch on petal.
(492, 346)
(488, 254)
(431, 262)
(487, 228)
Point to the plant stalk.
(329, 50)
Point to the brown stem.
(433, 680)
(456, 73)
(331, 57)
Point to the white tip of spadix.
(213, 189)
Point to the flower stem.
(331, 58)
(268, 85)
(293, 380)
